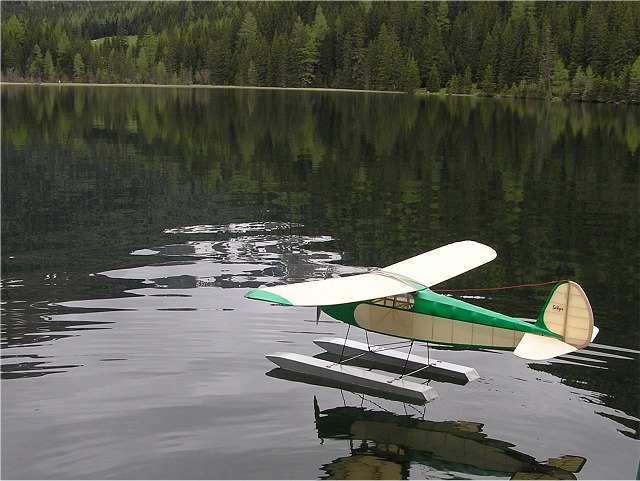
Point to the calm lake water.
(135, 219)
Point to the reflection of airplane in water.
(385, 445)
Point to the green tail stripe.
(540, 321)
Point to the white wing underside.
(443, 263)
(425, 270)
(340, 290)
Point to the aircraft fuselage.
(427, 316)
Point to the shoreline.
(417, 92)
(198, 86)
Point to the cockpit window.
(401, 301)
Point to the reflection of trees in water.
(548, 185)
(385, 445)
(235, 122)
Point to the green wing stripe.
(261, 295)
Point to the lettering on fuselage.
(558, 308)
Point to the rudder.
(568, 313)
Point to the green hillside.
(586, 51)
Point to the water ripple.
(240, 261)
(233, 228)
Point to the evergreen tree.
(78, 67)
(219, 52)
(589, 81)
(247, 46)
(453, 85)
(442, 16)
(262, 61)
(548, 58)
(597, 36)
(161, 71)
(509, 54)
(488, 84)
(624, 37)
(530, 65)
(578, 53)
(36, 64)
(48, 70)
(320, 26)
(146, 63)
(560, 18)
(304, 53)
(322, 31)
(464, 35)
(489, 53)
(466, 82)
(64, 54)
(410, 79)
(560, 80)
(279, 64)
(354, 56)
(388, 59)
(13, 40)
(577, 84)
(252, 74)
(633, 93)
(433, 52)
(433, 79)
(622, 85)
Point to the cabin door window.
(401, 301)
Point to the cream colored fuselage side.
(424, 327)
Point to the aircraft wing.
(339, 290)
(409, 275)
(443, 263)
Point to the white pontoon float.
(336, 366)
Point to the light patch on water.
(242, 261)
(145, 252)
(9, 283)
(233, 228)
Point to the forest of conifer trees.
(585, 51)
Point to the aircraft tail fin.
(567, 313)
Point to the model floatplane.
(397, 301)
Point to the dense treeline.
(586, 51)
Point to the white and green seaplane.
(397, 301)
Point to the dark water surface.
(135, 219)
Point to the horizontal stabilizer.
(539, 348)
